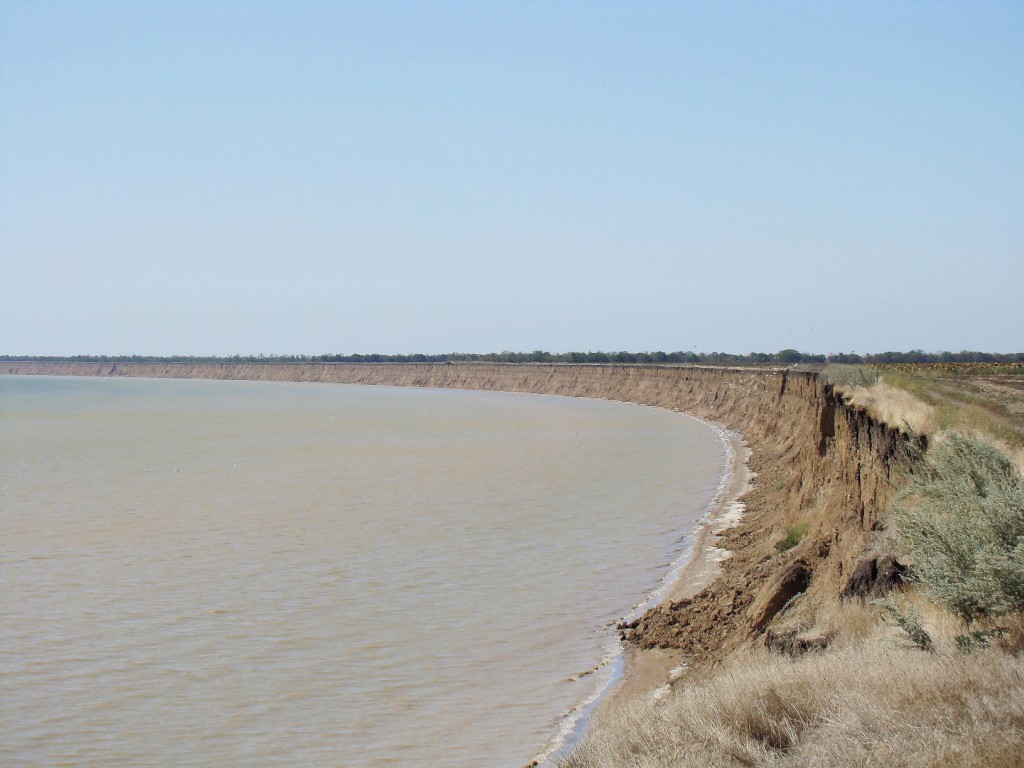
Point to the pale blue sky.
(308, 177)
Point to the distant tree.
(847, 358)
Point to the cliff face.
(818, 461)
(715, 392)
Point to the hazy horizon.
(401, 177)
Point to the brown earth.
(818, 461)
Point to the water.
(198, 573)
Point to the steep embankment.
(819, 462)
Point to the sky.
(303, 177)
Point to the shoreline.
(639, 673)
(649, 670)
(822, 463)
(635, 672)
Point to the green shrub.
(794, 534)
(962, 521)
(979, 638)
(904, 615)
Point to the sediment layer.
(819, 461)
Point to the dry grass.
(1015, 455)
(981, 400)
(895, 406)
(869, 703)
(850, 623)
(988, 405)
(870, 699)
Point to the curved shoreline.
(642, 672)
(822, 463)
(648, 670)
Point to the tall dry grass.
(896, 407)
(868, 704)
(920, 400)
(899, 406)
(993, 409)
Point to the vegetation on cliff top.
(981, 399)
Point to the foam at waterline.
(686, 544)
(573, 721)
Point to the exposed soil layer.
(818, 461)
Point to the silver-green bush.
(904, 615)
(962, 520)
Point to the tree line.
(782, 357)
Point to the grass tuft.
(794, 534)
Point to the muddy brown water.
(198, 573)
